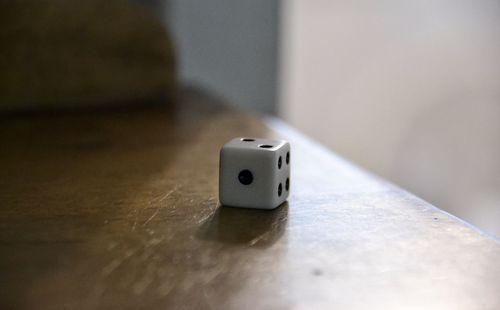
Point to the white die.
(254, 173)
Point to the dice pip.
(254, 173)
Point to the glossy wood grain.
(119, 210)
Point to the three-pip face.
(254, 173)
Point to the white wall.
(229, 47)
(408, 89)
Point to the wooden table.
(118, 209)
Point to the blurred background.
(409, 90)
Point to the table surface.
(118, 209)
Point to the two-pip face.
(254, 173)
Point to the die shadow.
(248, 227)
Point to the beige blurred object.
(73, 53)
(408, 89)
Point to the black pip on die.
(254, 173)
